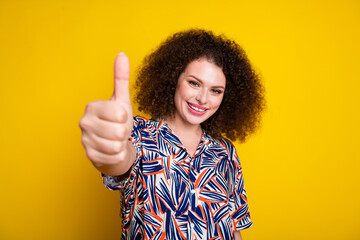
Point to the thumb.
(121, 79)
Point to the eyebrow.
(202, 82)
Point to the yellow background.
(301, 169)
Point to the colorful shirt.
(172, 195)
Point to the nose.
(201, 97)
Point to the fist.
(106, 125)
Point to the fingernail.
(122, 53)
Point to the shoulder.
(231, 150)
(219, 143)
(141, 122)
(227, 144)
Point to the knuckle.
(89, 107)
(91, 154)
(120, 133)
(83, 123)
(94, 106)
(121, 115)
(116, 147)
(121, 147)
(84, 141)
(97, 164)
(121, 157)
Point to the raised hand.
(106, 125)
(121, 93)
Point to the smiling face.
(199, 92)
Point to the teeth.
(197, 109)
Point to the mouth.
(197, 108)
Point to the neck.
(183, 128)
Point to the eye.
(217, 91)
(194, 83)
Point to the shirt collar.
(164, 128)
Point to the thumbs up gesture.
(106, 126)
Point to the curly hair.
(243, 102)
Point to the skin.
(198, 95)
(106, 125)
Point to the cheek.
(217, 102)
(178, 97)
(183, 92)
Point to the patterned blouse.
(172, 195)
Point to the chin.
(195, 120)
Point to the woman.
(180, 176)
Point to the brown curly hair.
(243, 102)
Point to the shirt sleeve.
(239, 210)
(115, 182)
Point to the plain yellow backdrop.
(301, 168)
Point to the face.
(199, 92)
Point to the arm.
(237, 235)
(239, 211)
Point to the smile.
(197, 108)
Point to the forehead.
(205, 71)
